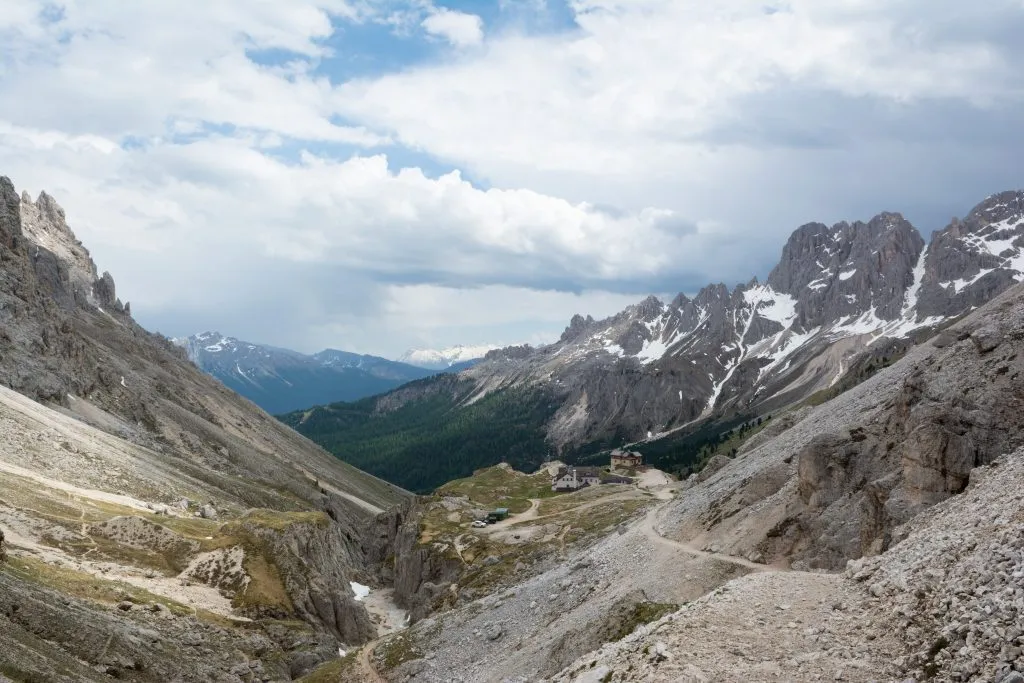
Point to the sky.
(380, 175)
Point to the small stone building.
(626, 460)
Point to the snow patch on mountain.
(1004, 240)
(445, 358)
(771, 305)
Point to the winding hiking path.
(649, 527)
(533, 513)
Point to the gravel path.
(650, 530)
(765, 626)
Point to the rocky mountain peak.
(650, 308)
(44, 223)
(999, 207)
(849, 269)
(973, 259)
(712, 295)
(578, 326)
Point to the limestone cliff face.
(421, 574)
(316, 562)
(848, 269)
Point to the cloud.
(137, 69)
(640, 81)
(222, 165)
(458, 28)
(431, 316)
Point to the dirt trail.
(649, 527)
(338, 492)
(780, 626)
(517, 518)
(532, 514)
(93, 494)
(365, 660)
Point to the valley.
(777, 563)
(511, 341)
(677, 379)
(156, 525)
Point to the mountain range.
(279, 380)
(842, 301)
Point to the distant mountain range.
(280, 380)
(843, 301)
(453, 358)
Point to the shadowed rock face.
(849, 269)
(419, 573)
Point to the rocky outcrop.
(578, 325)
(316, 562)
(954, 582)
(420, 573)
(62, 637)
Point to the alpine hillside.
(842, 301)
(279, 380)
(154, 525)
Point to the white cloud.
(359, 214)
(118, 69)
(458, 28)
(176, 147)
(640, 81)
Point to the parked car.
(479, 523)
